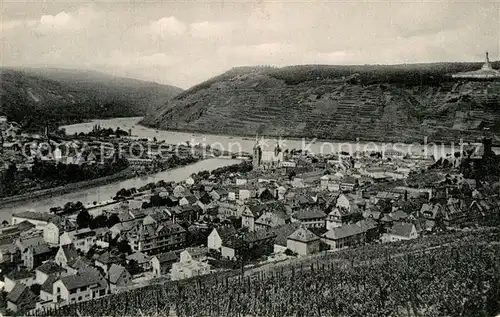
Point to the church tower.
(257, 154)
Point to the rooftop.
(32, 215)
(303, 235)
(114, 273)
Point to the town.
(282, 204)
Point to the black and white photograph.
(250, 158)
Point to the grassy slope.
(389, 103)
(35, 96)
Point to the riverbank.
(60, 190)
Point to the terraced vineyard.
(397, 103)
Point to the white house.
(51, 234)
(83, 239)
(18, 275)
(244, 194)
(188, 267)
(241, 181)
(65, 254)
(86, 285)
(324, 181)
(48, 268)
(179, 191)
(218, 236)
(162, 263)
(303, 242)
(400, 231)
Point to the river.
(106, 192)
(238, 144)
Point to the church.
(267, 159)
(486, 72)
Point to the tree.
(35, 288)
(100, 221)
(113, 219)
(133, 267)
(124, 247)
(83, 219)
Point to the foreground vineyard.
(443, 278)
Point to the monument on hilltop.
(486, 72)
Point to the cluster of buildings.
(180, 230)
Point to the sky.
(185, 42)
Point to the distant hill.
(372, 103)
(38, 96)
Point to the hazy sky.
(184, 42)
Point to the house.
(400, 231)
(46, 291)
(241, 181)
(249, 214)
(47, 269)
(103, 237)
(143, 260)
(270, 220)
(191, 263)
(185, 212)
(121, 229)
(179, 191)
(82, 239)
(157, 237)
(161, 263)
(107, 259)
(245, 194)
(35, 255)
(345, 236)
(18, 275)
(280, 192)
(348, 183)
(303, 242)
(66, 254)
(191, 180)
(21, 299)
(86, 285)
(298, 183)
(370, 229)
(193, 253)
(9, 253)
(229, 210)
(118, 277)
(282, 233)
(188, 200)
(324, 181)
(345, 211)
(246, 242)
(53, 230)
(13, 232)
(30, 240)
(311, 217)
(187, 269)
(218, 235)
(39, 219)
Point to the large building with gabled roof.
(303, 242)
